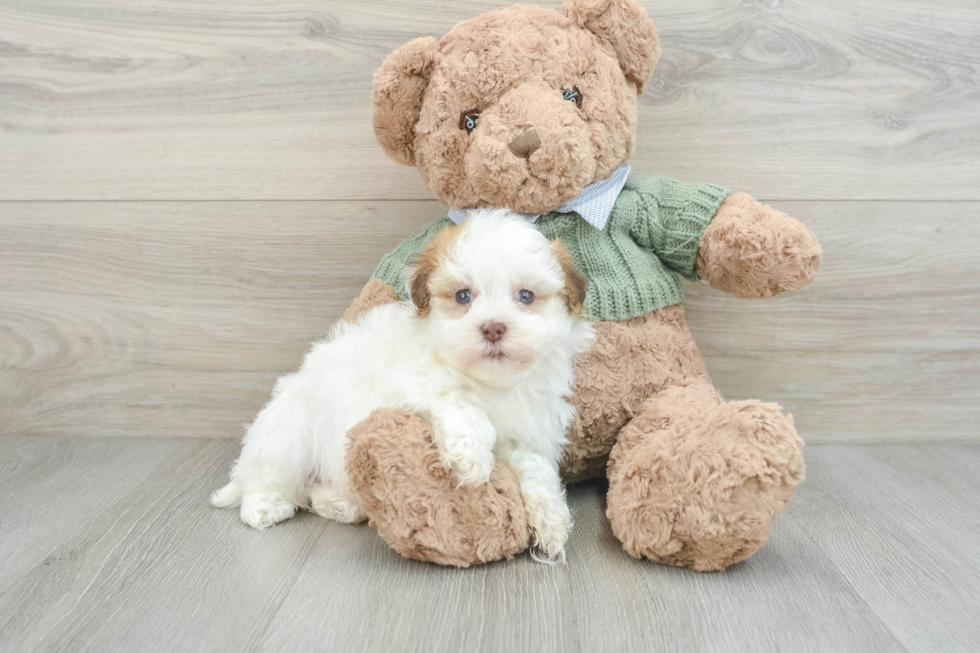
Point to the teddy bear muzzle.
(531, 151)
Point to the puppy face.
(497, 296)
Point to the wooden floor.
(109, 544)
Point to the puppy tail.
(228, 496)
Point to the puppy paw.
(465, 445)
(470, 468)
(263, 509)
(550, 526)
(325, 502)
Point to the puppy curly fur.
(484, 352)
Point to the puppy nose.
(493, 331)
(525, 143)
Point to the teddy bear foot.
(703, 492)
(415, 504)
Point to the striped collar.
(594, 203)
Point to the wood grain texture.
(883, 346)
(269, 99)
(904, 534)
(151, 570)
(35, 470)
(810, 607)
(877, 553)
(413, 606)
(174, 318)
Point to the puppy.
(484, 352)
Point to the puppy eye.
(464, 296)
(573, 95)
(467, 120)
(525, 296)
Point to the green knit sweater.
(632, 264)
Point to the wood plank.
(224, 99)
(173, 319)
(160, 570)
(377, 599)
(895, 525)
(53, 486)
(156, 570)
(788, 597)
(950, 466)
(883, 346)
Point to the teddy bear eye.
(464, 296)
(525, 296)
(573, 95)
(467, 120)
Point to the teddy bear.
(535, 110)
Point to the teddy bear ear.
(625, 26)
(397, 96)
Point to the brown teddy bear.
(535, 110)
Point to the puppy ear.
(397, 97)
(625, 26)
(428, 262)
(418, 281)
(576, 285)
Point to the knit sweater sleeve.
(670, 216)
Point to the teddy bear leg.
(415, 504)
(697, 482)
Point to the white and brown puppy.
(484, 352)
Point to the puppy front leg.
(544, 501)
(464, 438)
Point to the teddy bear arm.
(751, 250)
(415, 504)
(375, 293)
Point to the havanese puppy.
(484, 352)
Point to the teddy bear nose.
(493, 331)
(525, 143)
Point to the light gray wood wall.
(269, 99)
(190, 193)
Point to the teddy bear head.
(521, 107)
